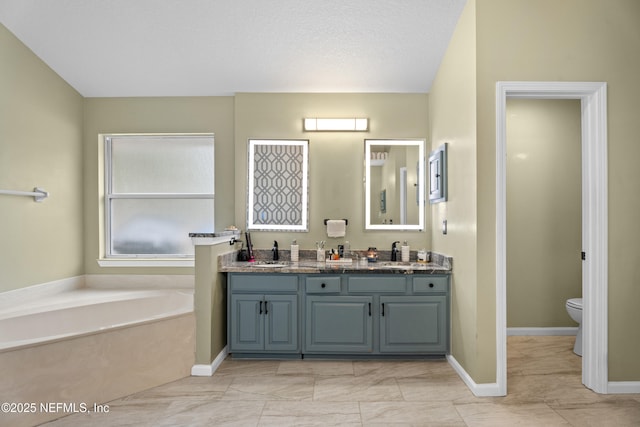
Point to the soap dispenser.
(295, 251)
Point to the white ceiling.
(114, 48)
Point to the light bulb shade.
(335, 124)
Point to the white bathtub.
(65, 342)
(85, 311)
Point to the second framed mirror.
(394, 184)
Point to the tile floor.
(544, 389)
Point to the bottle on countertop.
(372, 254)
(422, 255)
(406, 251)
(320, 251)
(295, 251)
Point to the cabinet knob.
(324, 285)
(431, 285)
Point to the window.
(158, 189)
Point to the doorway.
(594, 224)
(544, 222)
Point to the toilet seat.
(575, 303)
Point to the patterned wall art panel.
(278, 185)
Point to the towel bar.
(38, 193)
(346, 222)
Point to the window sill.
(145, 262)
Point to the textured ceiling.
(112, 48)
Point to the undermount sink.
(398, 265)
(269, 264)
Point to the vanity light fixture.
(335, 125)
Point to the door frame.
(403, 195)
(593, 97)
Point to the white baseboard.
(201, 371)
(623, 387)
(208, 370)
(480, 390)
(542, 331)
(492, 389)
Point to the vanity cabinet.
(376, 314)
(339, 314)
(263, 313)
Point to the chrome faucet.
(276, 256)
(394, 251)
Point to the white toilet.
(574, 308)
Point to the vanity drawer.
(264, 283)
(377, 283)
(323, 285)
(428, 284)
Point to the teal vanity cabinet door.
(338, 324)
(247, 323)
(413, 324)
(263, 314)
(281, 322)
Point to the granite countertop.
(227, 264)
(215, 238)
(223, 233)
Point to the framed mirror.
(278, 196)
(394, 184)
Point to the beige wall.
(452, 113)
(543, 211)
(336, 159)
(40, 145)
(520, 40)
(210, 303)
(572, 40)
(154, 115)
